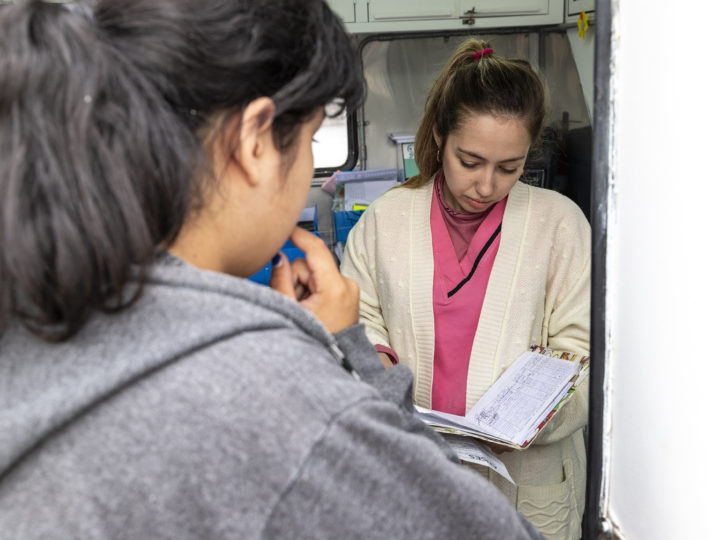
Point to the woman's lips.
(477, 204)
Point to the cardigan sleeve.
(569, 323)
(569, 326)
(358, 263)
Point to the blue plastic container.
(344, 221)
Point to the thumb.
(281, 278)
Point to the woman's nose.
(484, 182)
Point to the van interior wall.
(400, 69)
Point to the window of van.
(334, 145)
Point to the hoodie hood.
(45, 386)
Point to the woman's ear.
(436, 137)
(255, 143)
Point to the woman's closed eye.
(503, 170)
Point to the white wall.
(663, 269)
(583, 51)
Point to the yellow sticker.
(582, 24)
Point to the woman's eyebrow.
(478, 156)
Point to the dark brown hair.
(102, 107)
(489, 84)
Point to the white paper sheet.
(473, 451)
(437, 418)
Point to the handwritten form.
(473, 451)
(533, 382)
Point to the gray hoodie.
(217, 408)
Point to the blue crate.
(344, 221)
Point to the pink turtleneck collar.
(461, 226)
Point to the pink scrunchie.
(480, 54)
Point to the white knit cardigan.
(538, 293)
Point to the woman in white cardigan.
(462, 268)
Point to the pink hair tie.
(480, 54)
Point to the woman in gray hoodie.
(153, 153)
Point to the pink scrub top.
(464, 248)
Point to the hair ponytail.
(93, 174)
(476, 80)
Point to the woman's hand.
(497, 448)
(317, 284)
(385, 359)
